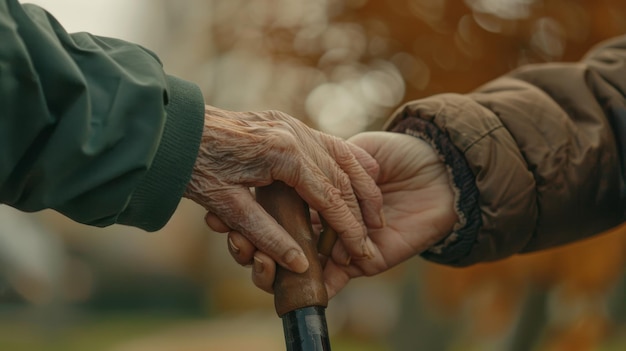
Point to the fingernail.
(232, 246)
(296, 260)
(342, 256)
(258, 265)
(383, 221)
(369, 249)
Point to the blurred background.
(341, 66)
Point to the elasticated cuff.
(158, 195)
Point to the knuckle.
(332, 199)
(344, 183)
(342, 153)
(281, 141)
(275, 114)
(348, 228)
(342, 213)
(354, 234)
(371, 192)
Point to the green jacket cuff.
(159, 193)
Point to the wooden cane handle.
(292, 290)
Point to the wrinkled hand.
(240, 150)
(418, 205)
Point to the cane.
(300, 299)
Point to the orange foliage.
(580, 275)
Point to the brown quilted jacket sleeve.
(535, 156)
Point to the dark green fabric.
(90, 126)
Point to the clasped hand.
(240, 150)
(418, 205)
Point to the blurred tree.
(343, 65)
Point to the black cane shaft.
(305, 330)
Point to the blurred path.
(244, 332)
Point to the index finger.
(238, 209)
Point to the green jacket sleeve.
(89, 126)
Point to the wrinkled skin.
(240, 150)
(418, 205)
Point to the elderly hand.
(240, 150)
(418, 205)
